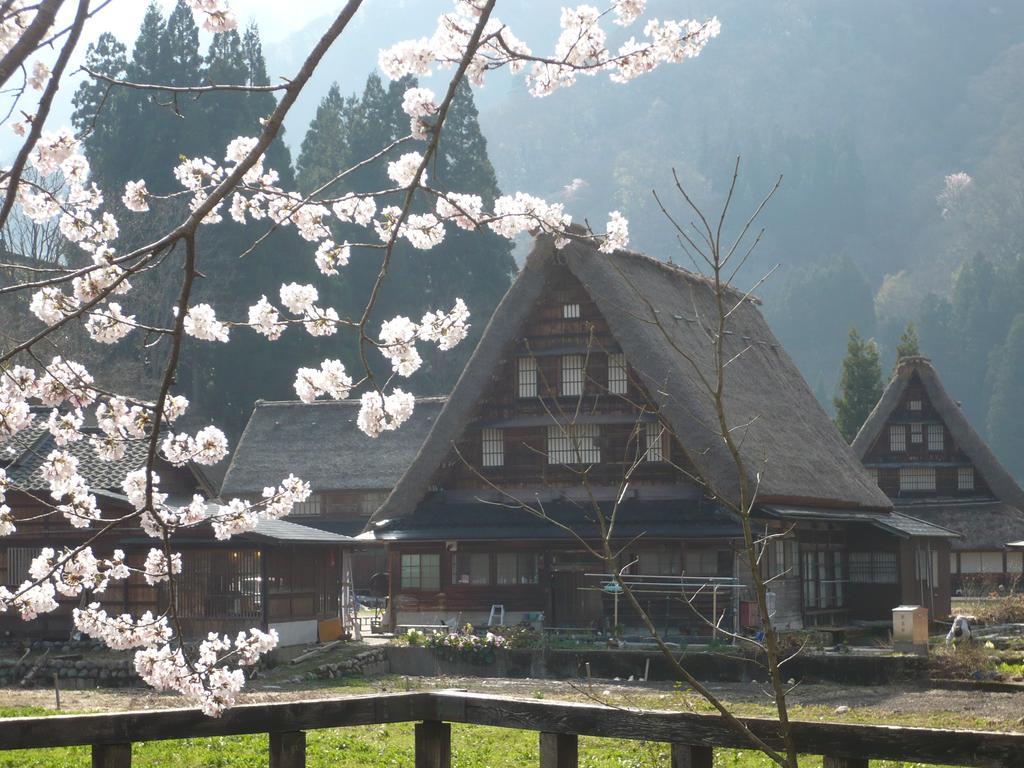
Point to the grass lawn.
(380, 746)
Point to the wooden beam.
(689, 756)
(433, 744)
(156, 725)
(873, 742)
(112, 756)
(288, 749)
(559, 750)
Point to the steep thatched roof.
(659, 315)
(320, 443)
(970, 442)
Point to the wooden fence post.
(690, 756)
(559, 750)
(288, 749)
(844, 762)
(433, 744)
(111, 756)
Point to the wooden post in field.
(559, 750)
(689, 756)
(111, 756)
(433, 744)
(288, 749)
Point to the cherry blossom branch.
(46, 14)
(13, 176)
(181, 89)
(442, 113)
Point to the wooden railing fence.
(692, 737)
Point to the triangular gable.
(786, 436)
(964, 435)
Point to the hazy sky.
(276, 19)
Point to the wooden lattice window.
(570, 311)
(917, 478)
(19, 560)
(219, 583)
(935, 437)
(492, 447)
(573, 444)
(914, 405)
(873, 568)
(618, 378)
(654, 434)
(311, 507)
(916, 434)
(516, 568)
(421, 571)
(965, 478)
(897, 438)
(572, 375)
(527, 377)
(471, 568)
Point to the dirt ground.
(891, 704)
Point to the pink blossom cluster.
(238, 516)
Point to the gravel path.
(891, 704)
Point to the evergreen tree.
(909, 345)
(99, 110)
(261, 105)
(860, 385)
(324, 151)
(1005, 434)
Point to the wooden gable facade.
(565, 397)
(927, 458)
(563, 401)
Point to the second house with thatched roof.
(925, 455)
(585, 421)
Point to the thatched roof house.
(659, 314)
(917, 436)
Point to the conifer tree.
(107, 56)
(860, 385)
(909, 345)
(324, 146)
(1004, 430)
(259, 105)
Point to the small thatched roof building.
(320, 443)
(971, 493)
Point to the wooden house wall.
(349, 506)
(566, 592)
(302, 582)
(218, 590)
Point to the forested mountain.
(477, 268)
(865, 108)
